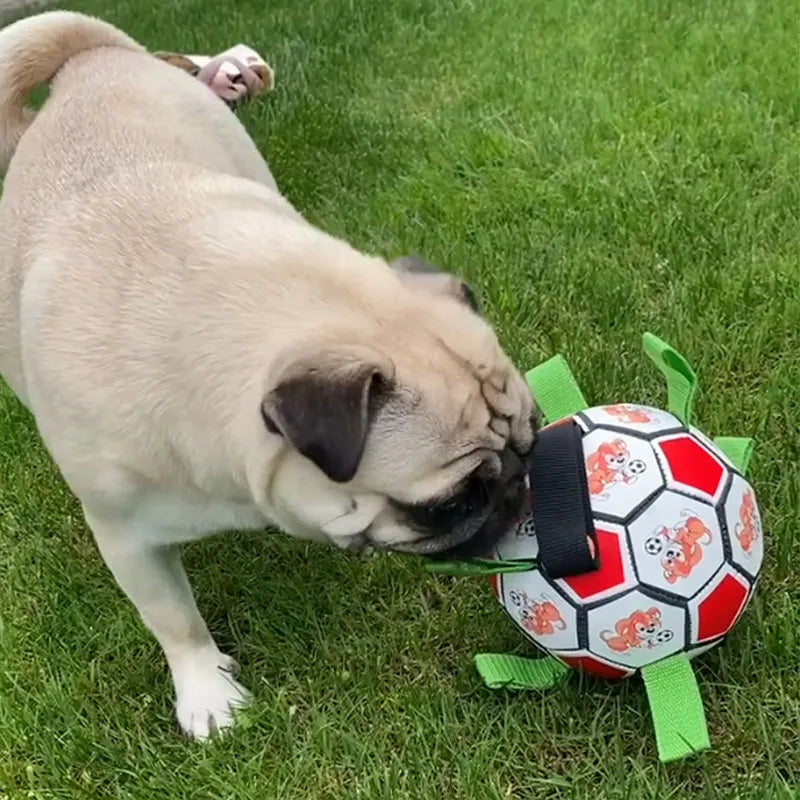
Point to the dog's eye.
(447, 512)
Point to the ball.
(679, 540)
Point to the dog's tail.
(32, 51)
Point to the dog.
(200, 358)
(608, 465)
(640, 629)
(748, 528)
(540, 617)
(628, 413)
(683, 549)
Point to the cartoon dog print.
(747, 529)
(630, 414)
(539, 617)
(640, 629)
(680, 549)
(611, 464)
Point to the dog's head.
(409, 434)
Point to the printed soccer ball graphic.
(680, 544)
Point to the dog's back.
(112, 108)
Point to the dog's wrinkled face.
(420, 429)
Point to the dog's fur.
(199, 358)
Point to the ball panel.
(615, 573)
(669, 581)
(693, 652)
(690, 467)
(709, 443)
(715, 610)
(593, 665)
(541, 613)
(677, 544)
(520, 542)
(621, 472)
(746, 534)
(636, 418)
(583, 421)
(635, 630)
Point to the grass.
(596, 168)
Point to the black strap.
(561, 508)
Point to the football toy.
(640, 549)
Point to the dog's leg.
(153, 577)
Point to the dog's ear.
(323, 405)
(420, 274)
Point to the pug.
(200, 358)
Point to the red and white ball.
(680, 544)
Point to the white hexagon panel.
(639, 419)
(635, 630)
(703, 648)
(691, 467)
(621, 472)
(715, 610)
(543, 614)
(744, 527)
(677, 544)
(520, 542)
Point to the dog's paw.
(208, 695)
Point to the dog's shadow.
(284, 605)
(265, 586)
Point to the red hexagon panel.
(593, 665)
(615, 574)
(691, 467)
(715, 610)
(709, 443)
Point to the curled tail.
(32, 51)
(614, 641)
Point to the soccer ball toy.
(641, 550)
(679, 546)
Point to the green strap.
(677, 708)
(738, 449)
(481, 566)
(501, 671)
(555, 390)
(681, 379)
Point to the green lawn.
(596, 169)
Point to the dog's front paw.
(207, 694)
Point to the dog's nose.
(513, 482)
(514, 495)
(512, 466)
